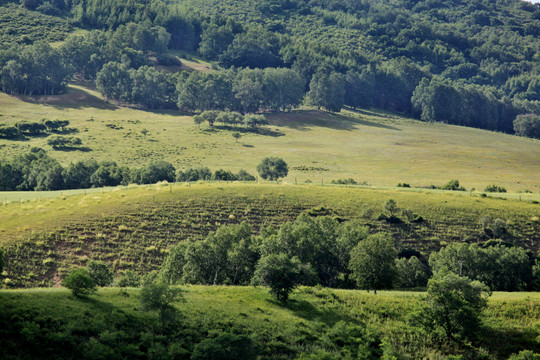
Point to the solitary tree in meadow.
(272, 168)
(236, 136)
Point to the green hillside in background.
(378, 148)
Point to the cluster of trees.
(321, 250)
(196, 174)
(245, 90)
(227, 118)
(33, 69)
(144, 86)
(38, 171)
(32, 128)
(462, 66)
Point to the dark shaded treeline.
(36, 170)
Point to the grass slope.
(51, 322)
(133, 228)
(370, 146)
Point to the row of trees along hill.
(403, 57)
(36, 170)
(321, 250)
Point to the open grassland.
(381, 149)
(51, 322)
(133, 228)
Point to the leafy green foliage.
(272, 168)
(281, 273)
(499, 267)
(128, 278)
(525, 355)
(411, 273)
(327, 91)
(225, 346)
(33, 69)
(527, 125)
(454, 304)
(79, 282)
(226, 256)
(64, 142)
(495, 188)
(21, 26)
(100, 273)
(373, 262)
(160, 297)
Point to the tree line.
(321, 250)
(488, 79)
(36, 171)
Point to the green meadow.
(313, 322)
(374, 147)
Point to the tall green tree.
(373, 262)
(282, 89)
(272, 168)
(327, 91)
(114, 82)
(454, 305)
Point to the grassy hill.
(51, 323)
(379, 148)
(133, 228)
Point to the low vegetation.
(314, 323)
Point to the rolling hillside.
(133, 228)
(378, 148)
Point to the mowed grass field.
(378, 148)
(134, 228)
(309, 323)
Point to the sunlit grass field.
(378, 148)
(134, 227)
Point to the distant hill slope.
(134, 228)
(378, 148)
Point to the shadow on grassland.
(304, 120)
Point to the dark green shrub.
(100, 273)
(495, 188)
(453, 185)
(525, 355)
(225, 347)
(63, 142)
(348, 181)
(160, 297)
(79, 282)
(128, 278)
(223, 175)
(527, 125)
(31, 128)
(168, 60)
(9, 132)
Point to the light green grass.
(378, 148)
(133, 228)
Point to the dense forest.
(472, 63)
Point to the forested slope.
(472, 63)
